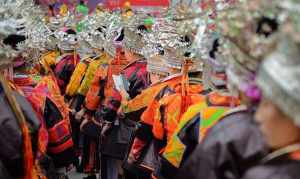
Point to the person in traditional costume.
(132, 67)
(86, 102)
(277, 114)
(235, 143)
(13, 152)
(101, 92)
(133, 108)
(55, 139)
(157, 70)
(49, 104)
(135, 78)
(66, 63)
(19, 124)
(77, 90)
(195, 123)
(136, 104)
(151, 133)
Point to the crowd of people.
(203, 89)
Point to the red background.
(119, 3)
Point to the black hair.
(187, 54)
(272, 23)
(186, 39)
(214, 49)
(20, 28)
(101, 28)
(81, 2)
(71, 31)
(142, 28)
(121, 36)
(160, 49)
(195, 74)
(13, 40)
(50, 6)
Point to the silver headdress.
(165, 35)
(95, 31)
(134, 37)
(67, 41)
(16, 16)
(113, 30)
(279, 78)
(247, 35)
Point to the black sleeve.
(77, 102)
(144, 132)
(52, 114)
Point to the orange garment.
(168, 114)
(162, 115)
(146, 98)
(153, 101)
(90, 72)
(115, 67)
(54, 91)
(59, 133)
(104, 73)
(76, 78)
(37, 101)
(48, 59)
(92, 99)
(215, 102)
(175, 85)
(207, 113)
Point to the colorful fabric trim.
(76, 78)
(90, 73)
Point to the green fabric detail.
(82, 9)
(80, 26)
(196, 110)
(205, 123)
(36, 78)
(174, 151)
(173, 117)
(89, 76)
(126, 109)
(149, 21)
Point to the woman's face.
(279, 130)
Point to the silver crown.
(279, 78)
(16, 15)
